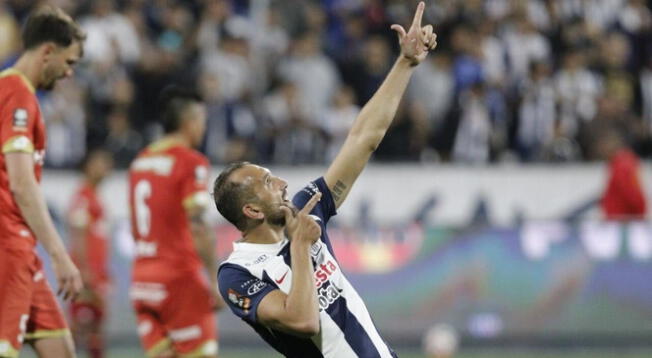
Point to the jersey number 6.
(142, 192)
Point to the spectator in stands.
(592, 48)
(537, 112)
(318, 88)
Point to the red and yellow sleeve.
(17, 119)
(194, 184)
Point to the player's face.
(59, 63)
(196, 115)
(271, 192)
(100, 166)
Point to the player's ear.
(253, 211)
(47, 50)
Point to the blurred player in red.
(90, 249)
(623, 198)
(29, 312)
(173, 300)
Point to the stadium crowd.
(511, 80)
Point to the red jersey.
(21, 130)
(165, 180)
(87, 213)
(624, 198)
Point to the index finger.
(418, 15)
(311, 203)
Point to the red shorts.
(176, 314)
(28, 307)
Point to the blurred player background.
(477, 231)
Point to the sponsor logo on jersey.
(255, 287)
(159, 164)
(311, 189)
(327, 295)
(324, 272)
(282, 278)
(20, 118)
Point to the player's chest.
(326, 270)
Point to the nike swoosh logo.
(280, 280)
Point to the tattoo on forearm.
(338, 190)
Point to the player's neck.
(264, 234)
(178, 138)
(92, 183)
(28, 64)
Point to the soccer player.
(89, 249)
(29, 312)
(291, 289)
(167, 195)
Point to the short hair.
(91, 155)
(230, 197)
(51, 24)
(172, 101)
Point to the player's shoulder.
(192, 155)
(246, 260)
(13, 85)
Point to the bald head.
(231, 190)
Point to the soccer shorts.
(177, 314)
(28, 307)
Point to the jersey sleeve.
(17, 118)
(242, 291)
(325, 208)
(194, 183)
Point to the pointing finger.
(311, 204)
(416, 23)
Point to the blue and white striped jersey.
(254, 270)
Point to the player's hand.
(68, 277)
(417, 41)
(302, 226)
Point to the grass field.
(492, 353)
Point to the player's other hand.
(417, 41)
(302, 226)
(68, 277)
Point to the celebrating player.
(28, 309)
(291, 290)
(168, 196)
(89, 249)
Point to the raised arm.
(376, 116)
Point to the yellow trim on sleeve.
(19, 143)
(12, 71)
(7, 350)
(208, 348)
(47, 333)
(160, 347)
(198, 199)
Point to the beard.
(49, 86)
(275, 216)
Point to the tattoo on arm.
(338, 190)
